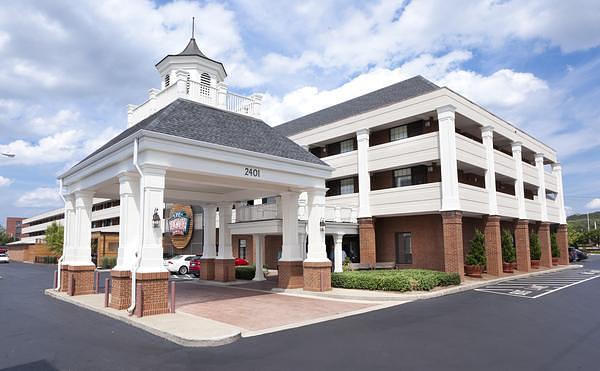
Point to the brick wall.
(235, 245)
(155, 287)
(272, 250)
(453, 242)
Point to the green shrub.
(394, 280)
(535, 248)
(245, 272)
(509, 253)
(476, 255)
(108, 262)
(46, 259)
(554, 246)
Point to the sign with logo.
(181, 225)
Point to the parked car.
(179, 263)
(195, 265)
(4, 258)
(576, 254)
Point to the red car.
(195, 265)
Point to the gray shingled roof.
(192, 49)
(191, 120)
(398, 92)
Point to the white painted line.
(564, 287)
(504, 293)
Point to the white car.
(179, 263)
(4, 258)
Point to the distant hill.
(579, 221)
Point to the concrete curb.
(207, 342)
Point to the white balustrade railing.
(340, 214)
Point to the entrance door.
(403, 248)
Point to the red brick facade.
(522, 245)
(317, 276)
(493, 245)
(82, 276)
(290, 275)
(544, 233)
(453, 242)
(366, 231)
(155, 292)
(207, 269)
(64, 278)
(224, 270)
(120, 293)
(272, 250)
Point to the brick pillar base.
(120, 294)
(522, 245)
(224, 270)
(453, 242)
(64, 278)
(207, 269)
(84, 279)
(366, 231)
(544, 233)
(291, 275)
(155, 288)
(317, 276)
(562, 238)
(493, 245)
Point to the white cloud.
(58, 147)
(593, 204)
(5, 182)
(42, 197)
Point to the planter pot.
(507, 267)
(473, 270)
(513, 266)
(535, 264)
(555, 261)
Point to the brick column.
(544, 233)
(562, 238)
(120, 294)
(155, 292)
(64, 278)
(493, 245)
(522, 245)
(207, 268)
(84, 279)
(317, 276)
(366, 230)
(453, 242)
(290, 274)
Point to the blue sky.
(67, 72)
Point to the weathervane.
(193, 21)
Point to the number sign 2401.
(251, 171)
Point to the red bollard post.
(172, 296)
(139, 300)
(97, 280)
(106, 291)
(55, 285)
(72, 286)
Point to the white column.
(519, 187)
(302, 240)
(69, 228)
(337, 252)
(449, 168)
(560, 197)
(290, 251)
(129, 221)
(209, 250)
(225, 251)
(181, 81)
(364, 179)
(487, 134)
(153, 182)
(317, 251)
(82, 244)
(259, 242)
(539, 165)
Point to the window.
(346, 186)
(402, 177)
(399, 132)
(205, 83)
(242, 249)
(113, 246)
(167, 80)
(347, 146)
(187, 83)
(403, 248)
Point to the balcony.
(473, 199)
(414, 199)
(550, 181)
(345, 164)
(413, 150)
(217, 97)
(530, 174)
(470, 151)
(553, 211)
(533, 209)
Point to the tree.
(575, 237)
(593, 236)
(54, 238)
(476, 255)
(535, 247)
(4, 237)
(509, 253)
(554, 246)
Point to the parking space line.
(564, 287)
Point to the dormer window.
(167, 80)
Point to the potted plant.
(509, 254)
(535, 250)
(476, 260)
(555, 249)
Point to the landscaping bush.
(554, 246)
(535, 248)
(509, 253)
(394, 280)
(476, 255)
(245, 272)
(46, 259)
(108, 262)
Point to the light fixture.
(156, 219)
(322, 225)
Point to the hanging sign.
(181, 225)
